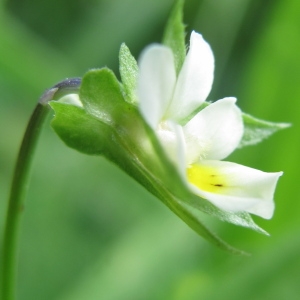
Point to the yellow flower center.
(206, 178)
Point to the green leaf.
(108, 125)
(256, 130)
(174, 35)
(128, 72)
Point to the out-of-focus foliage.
(90, 232)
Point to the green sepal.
(128, 71)
(110, 126)
(174, 35)
(256, 130)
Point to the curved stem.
(20, 182)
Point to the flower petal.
(156, 82)
(195, 79)
(233, 187)
(171, 137)
(214, 132)
(72, 99)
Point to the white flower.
(198, 147)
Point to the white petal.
(234, 187)
(171, 137)
(214, 132)
(156, 82)
(195, 79)
(71, 99)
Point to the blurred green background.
(89, 231)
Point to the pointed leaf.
(174, 35)
(256, 130)
(128, 72)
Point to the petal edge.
(195, 79)
(156, 82)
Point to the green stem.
(16, 200)
(20, 183)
